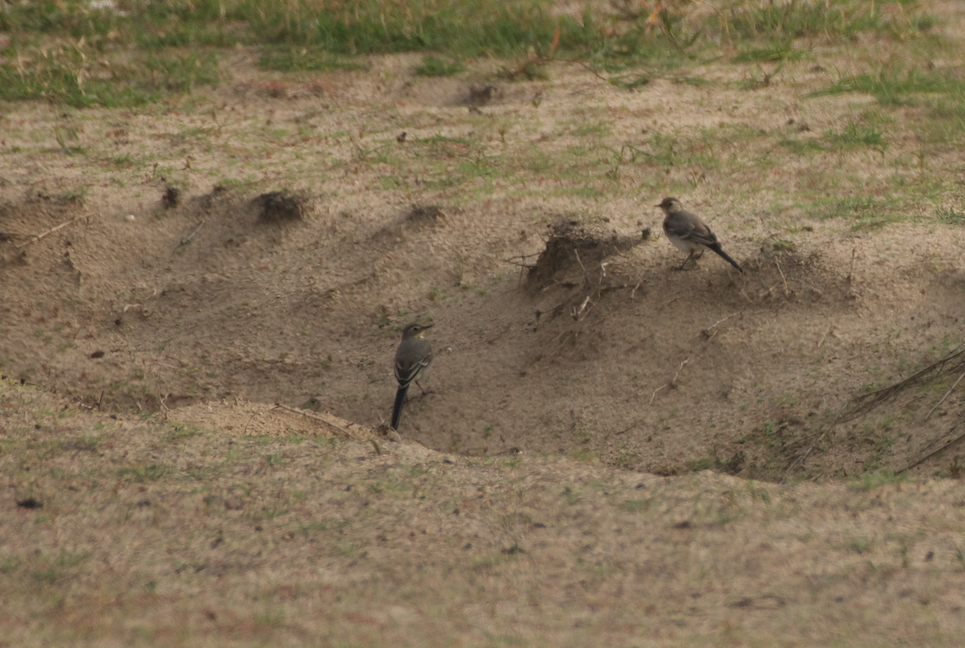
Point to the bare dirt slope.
(147, 305)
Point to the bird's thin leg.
(684, 264)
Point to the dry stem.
(52, 230)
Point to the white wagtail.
(412, 359)
(689, 233)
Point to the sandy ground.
(412, 204)
(136, 306)
(273, 528)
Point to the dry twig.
(245, 433)
(786, 290)
(191, 236)
(672, 384)
(580, 261)
(954, 385)
(654, 394)
(668, 302)
(52, 230)
(707, 331)
(323, 419)
(799, 460)
(866, 402)
(577, 313)
(521, 257)
(825, 336)
(942, 448)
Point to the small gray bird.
(689, 233)
(412, 358)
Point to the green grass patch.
(466, 29)
(801, 147)
(951, 215)
(845, 207)
(80, 55)
(871, 481)
(864, 212)
(857, 135)
(771, 52)
(433, 66)
(894, 87)
(68, 75)
(695, 82)
(180, 432)
(841, 20)
(631, 81)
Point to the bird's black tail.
(726, 257)
(397, 408)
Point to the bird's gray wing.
(687, 226)
(411, 362)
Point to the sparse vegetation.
(820, 138)
(69, 51)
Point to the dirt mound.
(575, 252)
(281, 207)
(302, 235)
(412, 221)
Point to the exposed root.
(867, 402)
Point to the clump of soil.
(421, 215)
(171, 197)
(481, 94)
(418, 217)
(216, 197)
(574, 252)
(281, 207)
